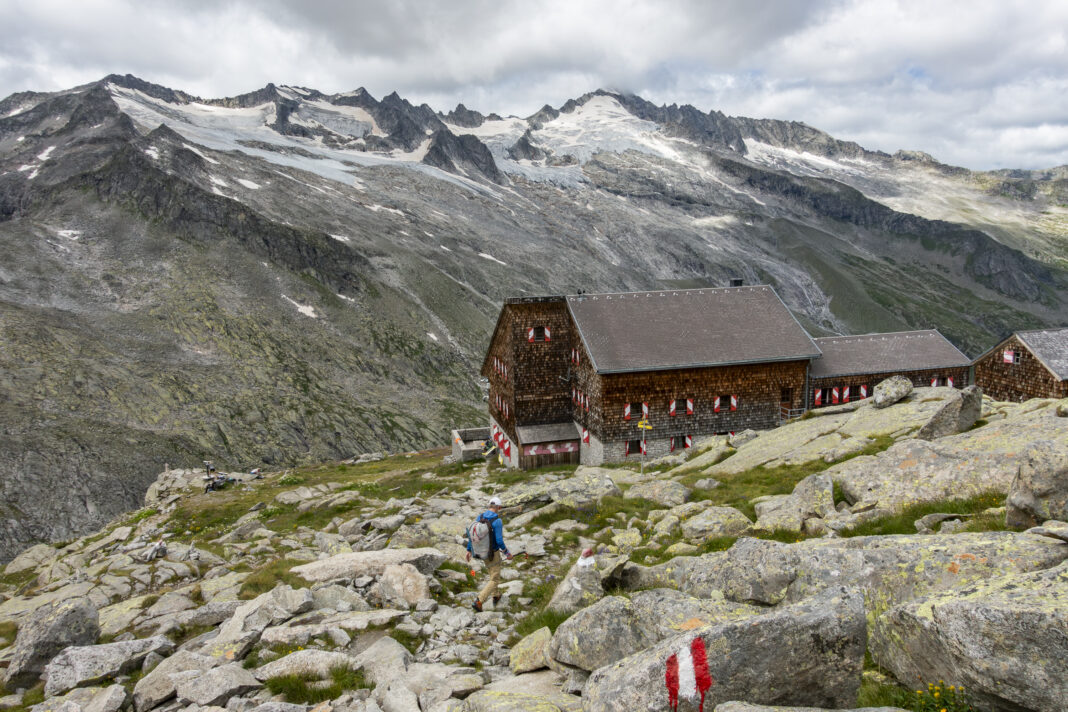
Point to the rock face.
(666, 492)
(956, 415)
(891, 391)
(810, 653)
(531, 652)
(1039, 491)
(369, 563)
(1006, 641)
(82, 665)
(401, 586)
(715, 522)
(48, 631)
(216, 686)
(588, 486)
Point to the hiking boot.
(477, 605)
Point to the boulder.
(33, 557)
(83, 665)
(747, 707)
(580, 587)
(301, 633)
(45, 633)
(157, 687)
(813, 497)
(715, 522)
(810, 653)
(502, 701)
(530, 653)
(666, 492)
(216, 686)
(585, 489)
(369, 563)
(1005, 641)
(312, 663)
(615, 627)
(958, 413)
(1039, 491)
(401, 586)
(86, 699)
(238, 634)
(890, 391)
(384, 660)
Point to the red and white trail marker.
(687, 675)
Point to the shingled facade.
(1028, 364)
(571, 377)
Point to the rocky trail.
(844, 561)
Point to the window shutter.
(689, 442)
(671, 408)
(643, 446)
(934, 382)
(734, 402)
(845, 394)
(586, 401)
(645, 410)
(1008, 356)
(819, 396)
(548, 334)
(863, 392)
(626, 411)
(949, 381)
(626, 448)
(530, 334)
(671, 444)
(715, 405)
(689, 406)
(834, 394)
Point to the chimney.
(737, 282)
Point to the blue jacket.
(497, 540)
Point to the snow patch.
(69, 234)
(248, 184)
(152, 152)
(445, 248)
(347, 299)
(43, 155)
(20, 139)
(306, 310)
(432, 336)
(376, 207)
(339, 238)
(491, 258)
(218, 181)
(200, 153)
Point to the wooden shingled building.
(1028, 364)
(851, 365)
(571, 376)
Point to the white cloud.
(980, 84)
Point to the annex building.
(571, 377)
(1028, 364)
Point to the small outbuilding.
(1028, 364)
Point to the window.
(1010, 356)
(786, 395)
(633, 447)
(681, 442)
(678, 406)
(722, 403)
(539, 333)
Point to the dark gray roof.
(551, 433)
(1050, 346)
(883, 353)
(679, 328)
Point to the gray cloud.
(979, 84)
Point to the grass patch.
(307, 689)
(185, 633)
(290, 480)
(539, 620)
(8, 631)
(408, 640)
(149, 600)
(922, 699)
(19, 581)
(903, 522)
(267, 577)
(141, 515)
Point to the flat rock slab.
(216, 686)
(808, 653)
(314, 663)
(746, 707)
(359, 620)
(502, 701)
(45, 633)
(369, 563)
(82, 665)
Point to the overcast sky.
(982, 84)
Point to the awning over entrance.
(549, 433)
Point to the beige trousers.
(493, 565)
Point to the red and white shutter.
(585, 436)
(504, 367)
(819, 396)
(671, 407)
(734, 402)
(574, 396)
(715, 405)
(586, 401)
(863, 392)
(687, 675)
(671, 443)
(643, 446)
(834, 394)
(845, 394)
(626, 411)
(934, 382)
(626, 448)
(645, 410)
(949, 381)
(507, 448)
(1008, 356)
(688, 442)
(689, 406)
(530, 334)
(548, 334)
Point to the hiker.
(489, 547)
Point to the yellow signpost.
(643, 424)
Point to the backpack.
(481, 535)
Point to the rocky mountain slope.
(824, 565)
(289, 276)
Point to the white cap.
(495, 502)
